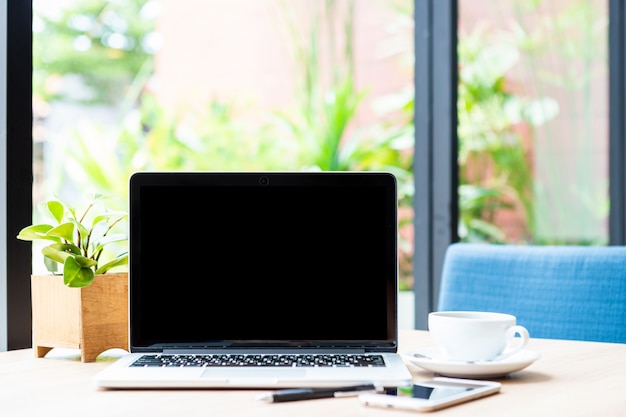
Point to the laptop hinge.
(259, 351)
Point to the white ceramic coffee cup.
(475, 336)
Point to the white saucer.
(429, 358)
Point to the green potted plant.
(79, 240)
(85, 307)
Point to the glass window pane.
(533, 121)
(127, 85)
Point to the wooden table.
(570, 379)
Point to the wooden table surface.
(570, 379)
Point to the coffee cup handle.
(510, 336)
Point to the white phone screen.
(436, 390)
(432, 395)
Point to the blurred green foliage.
(316, 133)
(494, 162)
(107, 45)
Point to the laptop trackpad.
(253, 372)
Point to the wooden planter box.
(92, 319)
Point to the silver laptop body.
(261, 280)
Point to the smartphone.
(432, 395)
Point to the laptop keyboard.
(289, 360)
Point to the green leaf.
(105, 217)
(59, 252)
(56, 209)
(51, 265)
(37, 232)
(119, 261)
(63, 231)
(76, 276)
(106, 240)
(84, 232)
(84, 262)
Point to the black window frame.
(435, 165)
(617, 122)
(19, 173)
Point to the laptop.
(261, 280)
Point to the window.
(533, 121)
(435, 180)
(436, 144)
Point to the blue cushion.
(559, 292)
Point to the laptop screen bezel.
(140, 180)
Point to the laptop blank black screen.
(295, 259)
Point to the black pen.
(298, 394)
